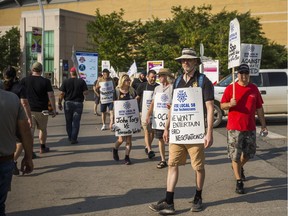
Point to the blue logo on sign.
(82, 67)
(127, 105)
(181, 96)
(164, 98)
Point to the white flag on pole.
(132, 70)
(113, 72)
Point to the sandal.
(162, 164)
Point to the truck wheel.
(217, 115)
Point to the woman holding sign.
(125, 115)
(162, 96)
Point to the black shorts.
(158, 134)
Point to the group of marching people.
(143, 91)
(160, 105)
(158, 111)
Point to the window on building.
(31, 57)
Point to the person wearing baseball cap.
(39, 92)
(106, 86)
(72, 91)
(241, 126)
(72, 70)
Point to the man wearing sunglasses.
(241, 126)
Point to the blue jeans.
(73, 112)
(6, 169)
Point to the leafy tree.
(10, 48)
(121, 41)
(113, 38)
(274, 56)
(159, 42)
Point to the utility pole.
(43, 33)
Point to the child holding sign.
(124, 117)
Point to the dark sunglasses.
(244, 72)
(127, 80)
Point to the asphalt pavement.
(83, 179)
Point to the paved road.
(273, 148)
(83, 179)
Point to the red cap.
(73, 69)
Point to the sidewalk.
(84, 179)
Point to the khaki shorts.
(178, 155)
(146, 126)
(39, 120)
(241, 142)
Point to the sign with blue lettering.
(234, 47)
(126, 117)
(160, 110)
(146, 101)
(187, 116)
(106, 92)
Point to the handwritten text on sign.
(127, 120)
(234, 47)
(160, 110)
(106, 92)
(187, 116)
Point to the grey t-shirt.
(10, 112)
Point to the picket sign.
(234, 48)
(160, 110)
(251, 55)
(126, 117)
(146, 102)
(106, 92)
(187, 116)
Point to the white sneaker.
(103, 127)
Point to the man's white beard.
(192, 69)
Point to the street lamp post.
(43, 32)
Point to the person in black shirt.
(11, 83)
(141, 79)
(148, 86)
(178, 152)
(39, 92)
(124, 92)
(73, 91)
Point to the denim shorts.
(103, 107)
(241, 142)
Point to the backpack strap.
(176, 83)
(200, 80)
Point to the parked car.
(272, 84)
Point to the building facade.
(64, 30)
(65, 22)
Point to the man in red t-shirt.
(241, 124)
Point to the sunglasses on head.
(244, 72)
